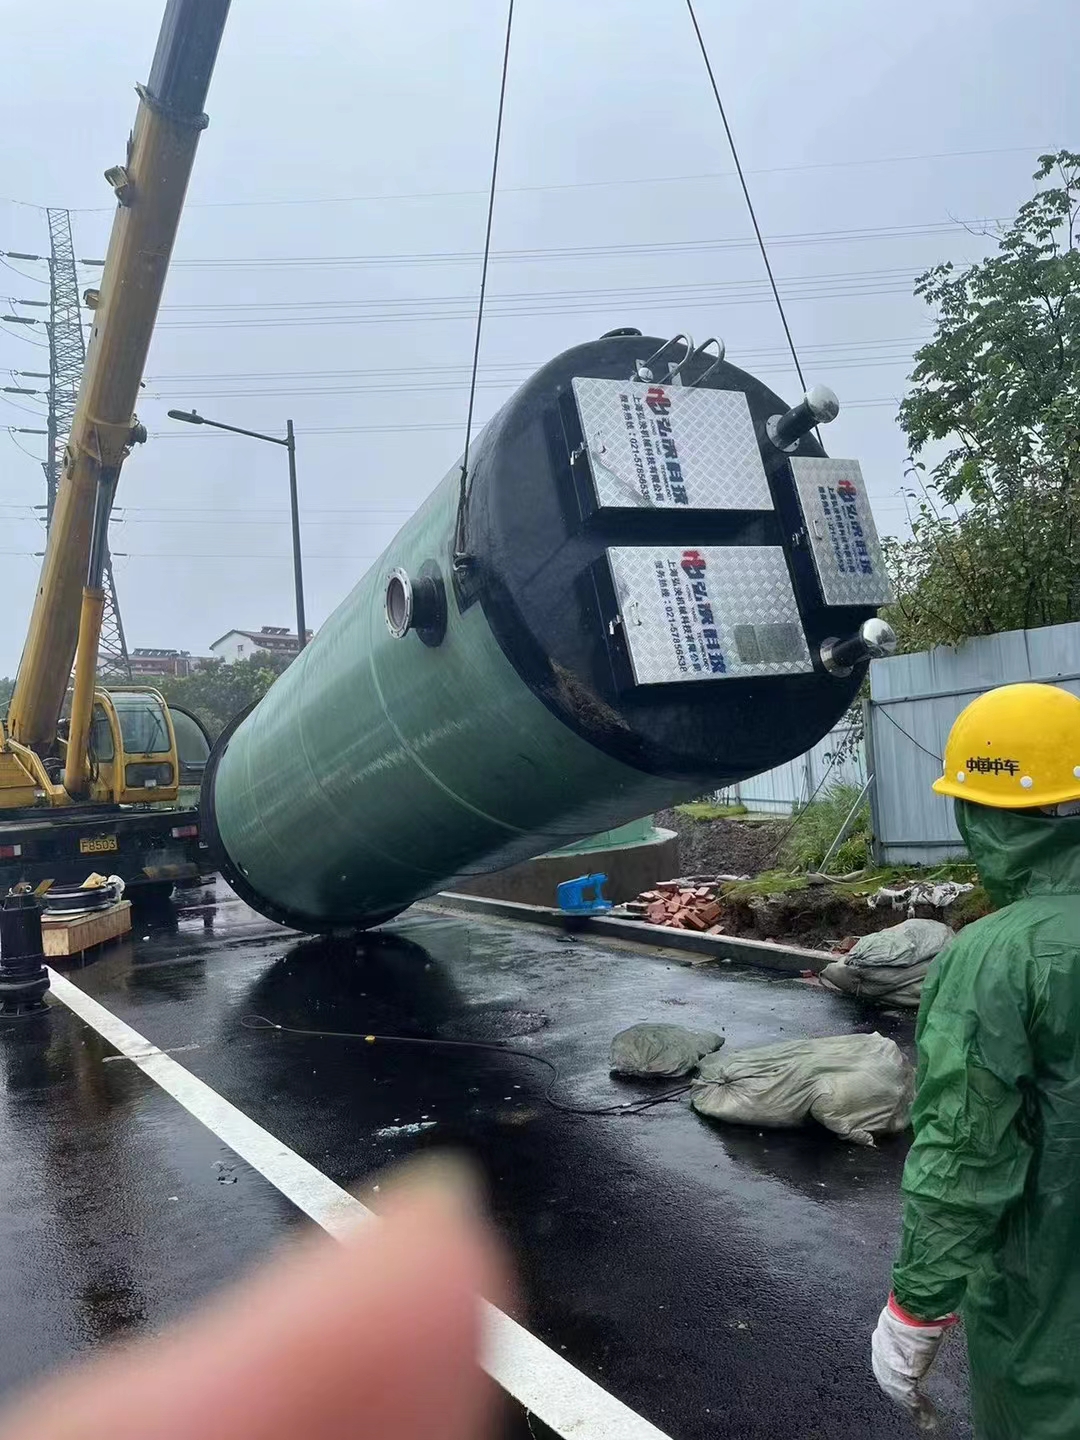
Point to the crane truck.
(99, 787)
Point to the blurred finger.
(374, 1339)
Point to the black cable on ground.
(629, 1107)
(459, 527)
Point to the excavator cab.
(133, 757)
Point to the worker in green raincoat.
(992, 1183)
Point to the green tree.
(995, 539)
(217, 691)
(7, 685)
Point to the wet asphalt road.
(723, 1282)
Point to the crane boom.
(150, 188)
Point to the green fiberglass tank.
(656, 583)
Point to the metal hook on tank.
(721, 351)
(642, 368)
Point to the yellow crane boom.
(150, 188)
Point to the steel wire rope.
(917, 743)
(460, 559)
(746, 191)
(801, 814)
(775, 850)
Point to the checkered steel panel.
(843, 537)
(662, 446)
(717, 612)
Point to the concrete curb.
(792, 959)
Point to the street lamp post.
(190, 418)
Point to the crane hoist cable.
(460, 557)
(746, 192)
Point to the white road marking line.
(557, 1393)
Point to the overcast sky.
(352, 139)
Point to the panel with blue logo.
(841, 531)
(668, 447)
(707, 613)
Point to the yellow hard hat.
(1015, 748)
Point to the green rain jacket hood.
(992, 1182)
(1018, 853)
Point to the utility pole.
(67, 355)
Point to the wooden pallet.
(62, 937)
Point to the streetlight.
(190, 418)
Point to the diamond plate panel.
(843, 537)
(717, 612)
(663, 446)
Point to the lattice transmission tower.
(67, 355)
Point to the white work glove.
(902, 1351)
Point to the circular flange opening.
(399, 604)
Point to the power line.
(18, 335)
(714, 297)
(23, 275)
(526, 367)
(34, 410)
(267, 509)
(507, 382)
(635, 180)
(23, 448)
(604, 252)
(217, 555)
(533, 296)
(411, 427)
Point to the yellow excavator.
(99, 788)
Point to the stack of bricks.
(679, 906)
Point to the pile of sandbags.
(858, 1086)
(669, 1050)
(891, 965)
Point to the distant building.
(150, 663)
(243, 644)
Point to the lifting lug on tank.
(817, 407)
(873, 640)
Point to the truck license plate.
(97, 844)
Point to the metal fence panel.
(914, 701)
